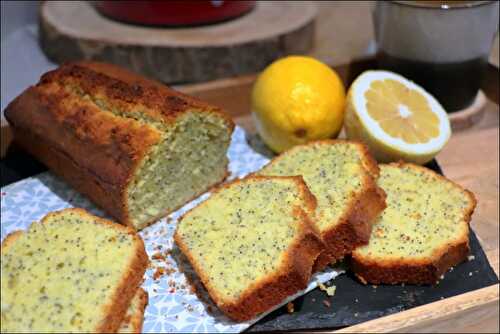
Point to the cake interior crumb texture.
(190, 157)
(241, 236)
(333, 173)
(63, 273)
(424, 214)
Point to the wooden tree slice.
(465, 118)
(74, 30)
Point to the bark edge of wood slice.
(74, 30)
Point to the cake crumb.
(330, 291)
(471, 257)
(158, 273)
(314, 300)
(321, 286)
(169, 271)
(158, 256)
(470, 273)
(356, 314)
(326, 303)
(356, 300)
(289, 307)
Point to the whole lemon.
(295, 100)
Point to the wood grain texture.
(73, 30)
(475, 312)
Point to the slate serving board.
(353, 302)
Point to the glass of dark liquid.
(441, 45)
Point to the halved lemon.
(395, 117)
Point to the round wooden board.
(73, 30)
(465, 118)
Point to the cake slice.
(71, 272)
(423, 231)
(342, 176)
(136, 148)
(251, 243)
(132, 322)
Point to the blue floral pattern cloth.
(177, 300)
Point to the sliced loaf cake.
(342, 176)
(251, 243)
(136, 148)
(71, 272)
(423, 231)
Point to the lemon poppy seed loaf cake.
(71, 272)
(423, 231)
(341, 175)
(136, 148)
(252, 243)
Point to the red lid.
(173, 12)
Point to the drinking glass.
(441, 45)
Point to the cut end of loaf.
(190, 159)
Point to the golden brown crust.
(354, 226)
(126, 90)
(134, 322)
(96, 152)
(105, 195)
(294, 272)
(10, 238)
(421, 271)
(408, 272)
(125, 291)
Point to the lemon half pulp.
(396, 118)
